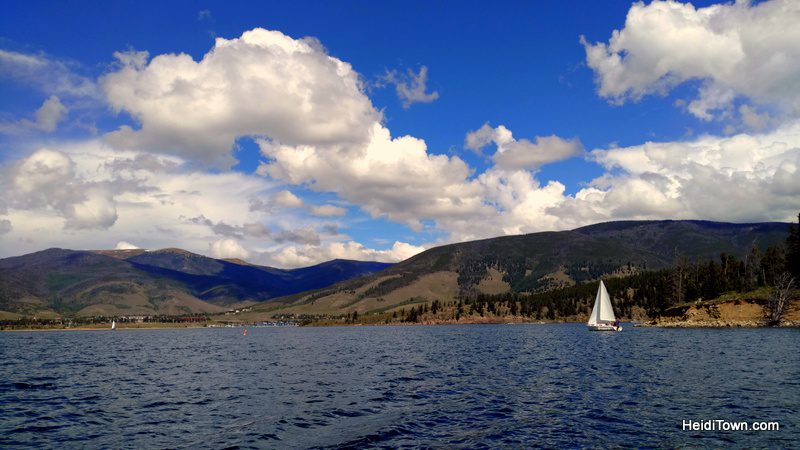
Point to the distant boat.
(602, 318)
(113, 325)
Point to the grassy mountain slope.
(168, 281)
(530, 263)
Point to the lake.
(464, 386)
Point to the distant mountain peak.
(176, 251)
(120, 254)
(238, 261)
(140, 282)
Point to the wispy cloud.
(48, 116)
(411, 87)
(49, 75)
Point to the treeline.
(26, 321)
(655, 291)
(581, 272)
(647, 293)
(648, 290)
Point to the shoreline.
(649, 324)
(88, 328)
(719, 313)
(720, 326)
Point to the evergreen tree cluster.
(649, 292)
(655, 291)
(793, 251)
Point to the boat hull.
(603, 327)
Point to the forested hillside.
(648, 266)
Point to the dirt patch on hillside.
(435, 286)
(493, 283)
(556, 280)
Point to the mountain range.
(173, 281)
(138, 282)
(530, 263)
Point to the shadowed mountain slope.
(168, 281)
(533, 263)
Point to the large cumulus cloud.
(88, 195)
(317, 129)
(261, 84)
(735, 49)
(47, 180)
(741, 178)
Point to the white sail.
(113, 325)
(602, 312)
(594, 317)
(606, 311)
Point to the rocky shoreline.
(744, 313)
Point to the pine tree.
(793, 250)
(752, 261)
(772, 265)
(679, 271)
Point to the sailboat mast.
(600, 302)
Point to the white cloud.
(317, 129)
(124, 245)
(261, 84)
(51, 76)
(306, 255)
(159, 203)
(485, 135)
(711, 97)
(752, 119)
(514, 154)
(740, 178)
(307, 236)
(221, 228)
(46, 180)
(86, 195)
(287, 200)
(410, 87)
(43, 169)
(277, 202)
(328, 211)
(48, 116)
(395, 177)
(98, 209)
(737, 49)
(228, 248)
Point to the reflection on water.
(452, 386)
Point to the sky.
(291, 134)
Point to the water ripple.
(396, 387)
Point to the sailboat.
(602, 318)
(113, 325)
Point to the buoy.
(245, 332)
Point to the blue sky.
(658, 122)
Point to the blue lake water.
(468, 386)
